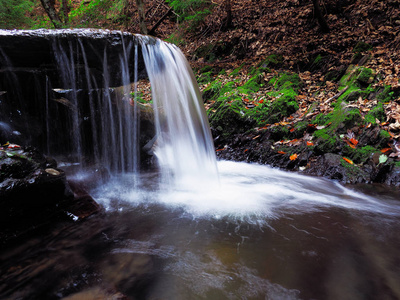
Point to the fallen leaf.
(384, 150)
(350, 144)
(382, 158)
(348, 160)
(293, 156)
(354, 141)
(281, 152)
(310, 143)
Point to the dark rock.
(34, 194)
(334, 167)
(393, 177)
(33, 52)
(27, 180)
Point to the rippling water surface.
(256, 233)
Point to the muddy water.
(257, 234)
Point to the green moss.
(252, 85)
(236, 71)
(205, 77)
(366, 76)
(384, 134)
(321, 119)
(353, 171)
(386, 95)
(378, 112)
(361, 155)
(326, 141)
(288, 81)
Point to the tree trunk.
(142, 16)
(152, 30)
(228, 9)
(48, 6)
(65, 10)
(321, 20)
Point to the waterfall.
(87, 108)
(184, 145)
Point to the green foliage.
(359, 155)
(92, 13)
(13, 13)
(191, 12)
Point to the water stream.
(195, 228)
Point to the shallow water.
(256, 233)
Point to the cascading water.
(184, 146)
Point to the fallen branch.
(152, 30)
(337, 95)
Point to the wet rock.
(28, 179)
(393, 177)
(34, 193)
(334, 167)
(31, 51)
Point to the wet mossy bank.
(344, 127)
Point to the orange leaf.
(220, 149)
(384, 150)
(293, 129)
(261, 101)
(246, 150)
(293, 156)
(310, 143)
(281, 152)
(350, 144)
(354, 141)
(348, 160)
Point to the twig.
(337, 95)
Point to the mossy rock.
(287, 81)
(359, 155)
(229, 119)
(326, 142)
(385, 95)
(366, 76)
(357, 77)
(377, 112)
(279, 133)
(351, 95)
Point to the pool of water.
(254, 233)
